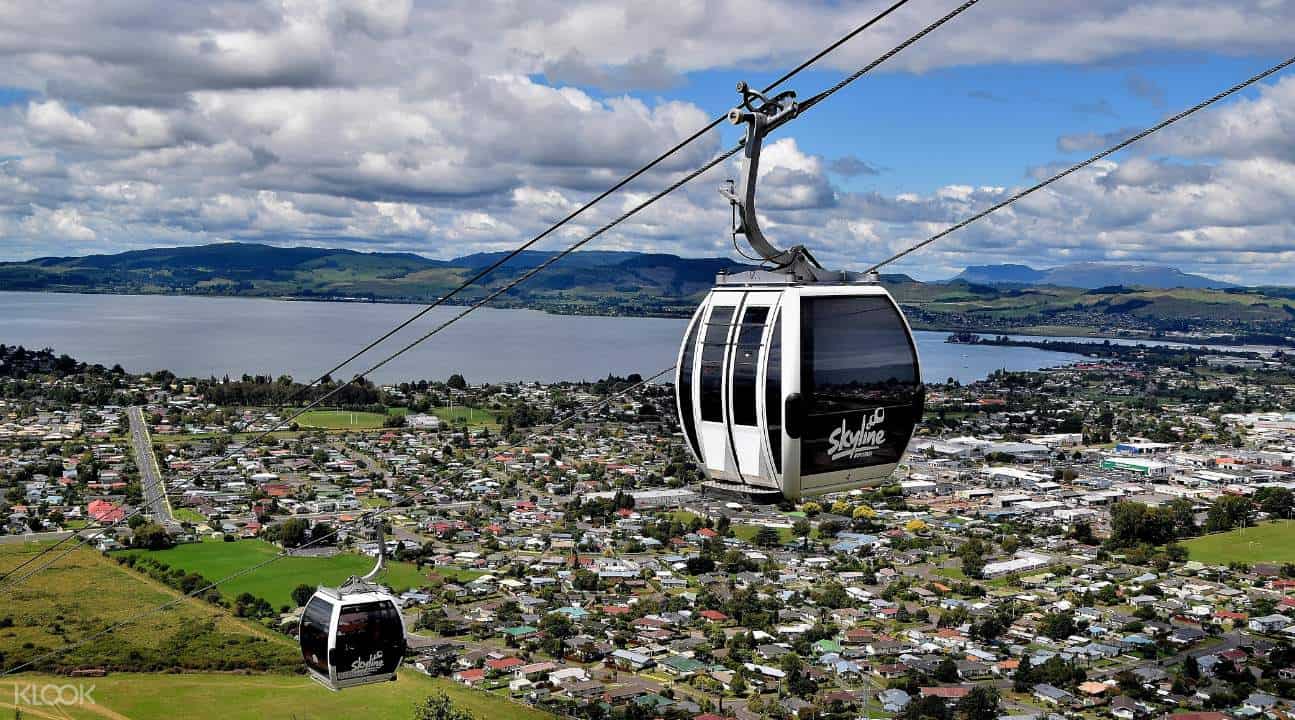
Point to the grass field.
(340, 420)
(84, 593)
(475, 417)
(209, 696)
(1269, 542)
(187, 515)
(214, 560)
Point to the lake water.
(194, 336)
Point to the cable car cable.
(365, 517)
(1081, 165)
(474, 279)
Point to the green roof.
(684, 664)
(827, 646)
(521, 630)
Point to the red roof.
(503, 663)
(955, 692)
(707, 533)
(1210, 715)
(713, 615)
(473, 674)
(104, 511)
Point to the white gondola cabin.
(794, 380)
(798, 389)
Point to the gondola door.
(748, 354)
(712, 365)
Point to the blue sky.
(452, 127)
(983, 125)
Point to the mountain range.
(1073, 299)
(1090, 276)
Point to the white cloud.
(444, 127)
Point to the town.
(1109, 538)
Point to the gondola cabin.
(352, 638)
(798, 389)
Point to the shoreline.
(1057, 332)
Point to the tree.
(1058, 625)
(925, 708)
(152, 536)
(290, 533)
(979, 704)
(1134, 523)
(1082, 533)
(1229, 512)
(302, 594)
(1276, 501)
(457, 382)
(738, 685)
(1023, 678)
(947, 670)
(767, 537)
(440, 707)
(801, 529)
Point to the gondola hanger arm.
(761, 115)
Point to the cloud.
(651, 72)
(1146, 88)
(853, 166)
(449, 127)
(1100, 106)
(987, 96)
(1094, 141)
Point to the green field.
(189, 516)
(207, 696)
(214, 560)
(748, 532)
(474, 417)
(1269, 542)
(84, 593)
(340, 420)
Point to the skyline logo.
(363, 666)
(845, 443)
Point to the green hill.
(643, 284)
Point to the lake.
(200, 336)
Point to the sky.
(451, 127)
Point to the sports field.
(340, 420)
(474, 417)
(274, 582)
(1269, 542)
(210, 696)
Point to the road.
(150, 477)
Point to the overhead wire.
(363, 519)
(477, 277)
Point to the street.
(150, 477)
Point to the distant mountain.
(1090, 275)
(1001, 274)
(601, 282)
(1106, 298)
